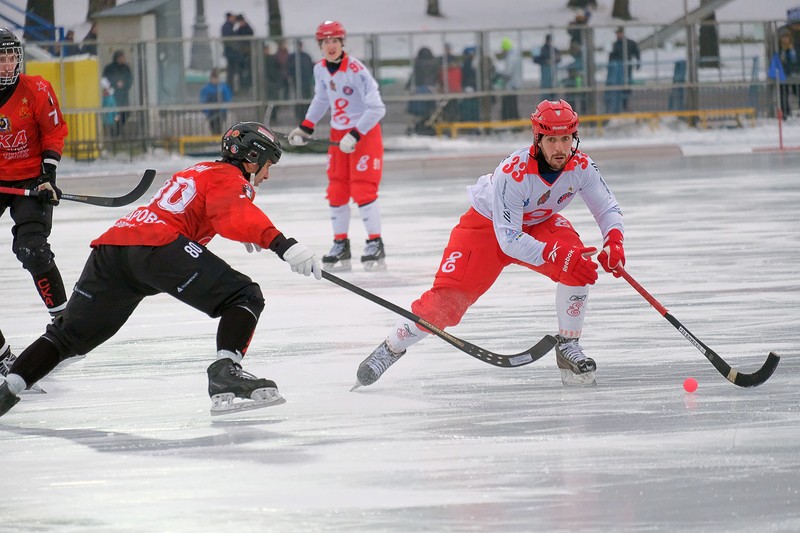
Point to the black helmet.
(9, 44)
(250, 142)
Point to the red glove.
(572, 261)
(613, 254)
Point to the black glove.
(46, 185)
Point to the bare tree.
(96, 6)
(42, 9)
(433, 9)
(621, 10)
(275, 22)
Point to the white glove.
(251, 247)
(302, 260)
(297, 137)
(348, 143)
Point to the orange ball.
(690, 385)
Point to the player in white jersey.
(355, 158)
(514, 219)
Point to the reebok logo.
(552, 255)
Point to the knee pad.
(251, 298)
(33, 251)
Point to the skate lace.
(572, 351)
(6, 360)
(372, 248)
(236, 370)
(382, 360)
(337, 248)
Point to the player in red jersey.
(515, 219)
(32, 133)
(161, 248)
(343, 84)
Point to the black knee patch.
(251, 298)
(35, 255)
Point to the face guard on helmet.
(10, 52)
(250, 142)
(554, 118)
(330, 29)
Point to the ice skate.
(7, 359)
(375, 365)
(339, 256)
(227, 381)
(374, 257)
(576, 368)
(7, 398)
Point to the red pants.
(473, 260)
(355, 175)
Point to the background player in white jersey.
(343, 84)
(514, 220)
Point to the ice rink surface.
(124, 441)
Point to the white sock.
(340, 218)
(236, 356)
(571, 309)
(371, 216)
(404, 334)
(16, 384)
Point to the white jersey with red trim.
(515, 195)
(351, 93)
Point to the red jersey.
(199, 202)
(30, 123)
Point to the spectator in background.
(66, 47)
(577, 28)
(785, 70)
(624, 53)
(89, 43)
(301, 76)
(111, 118)
(230, 49)
(119, 74)
(243, 29)
(282, 55)
(216, 92)
(468, 107)
(423, 80)
(450, 81)
(274, 78)
(548, 59)
(511, 78)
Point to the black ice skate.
(374, 255)
(576, 368)
(375, 365)
(7, 398)
(339, 256)
(227, 381)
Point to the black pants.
(116, 279)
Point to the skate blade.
(339, 266)
(35, 389)
(225, 404)
(569, 379)
(373, 266)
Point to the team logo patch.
(347, 90)
(5, 123)
(333, 86)
(543, 198)
(566, 195)
(248, 191)
(25, 112)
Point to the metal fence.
(673, 73)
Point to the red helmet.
(554, 118)
(330, 28)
